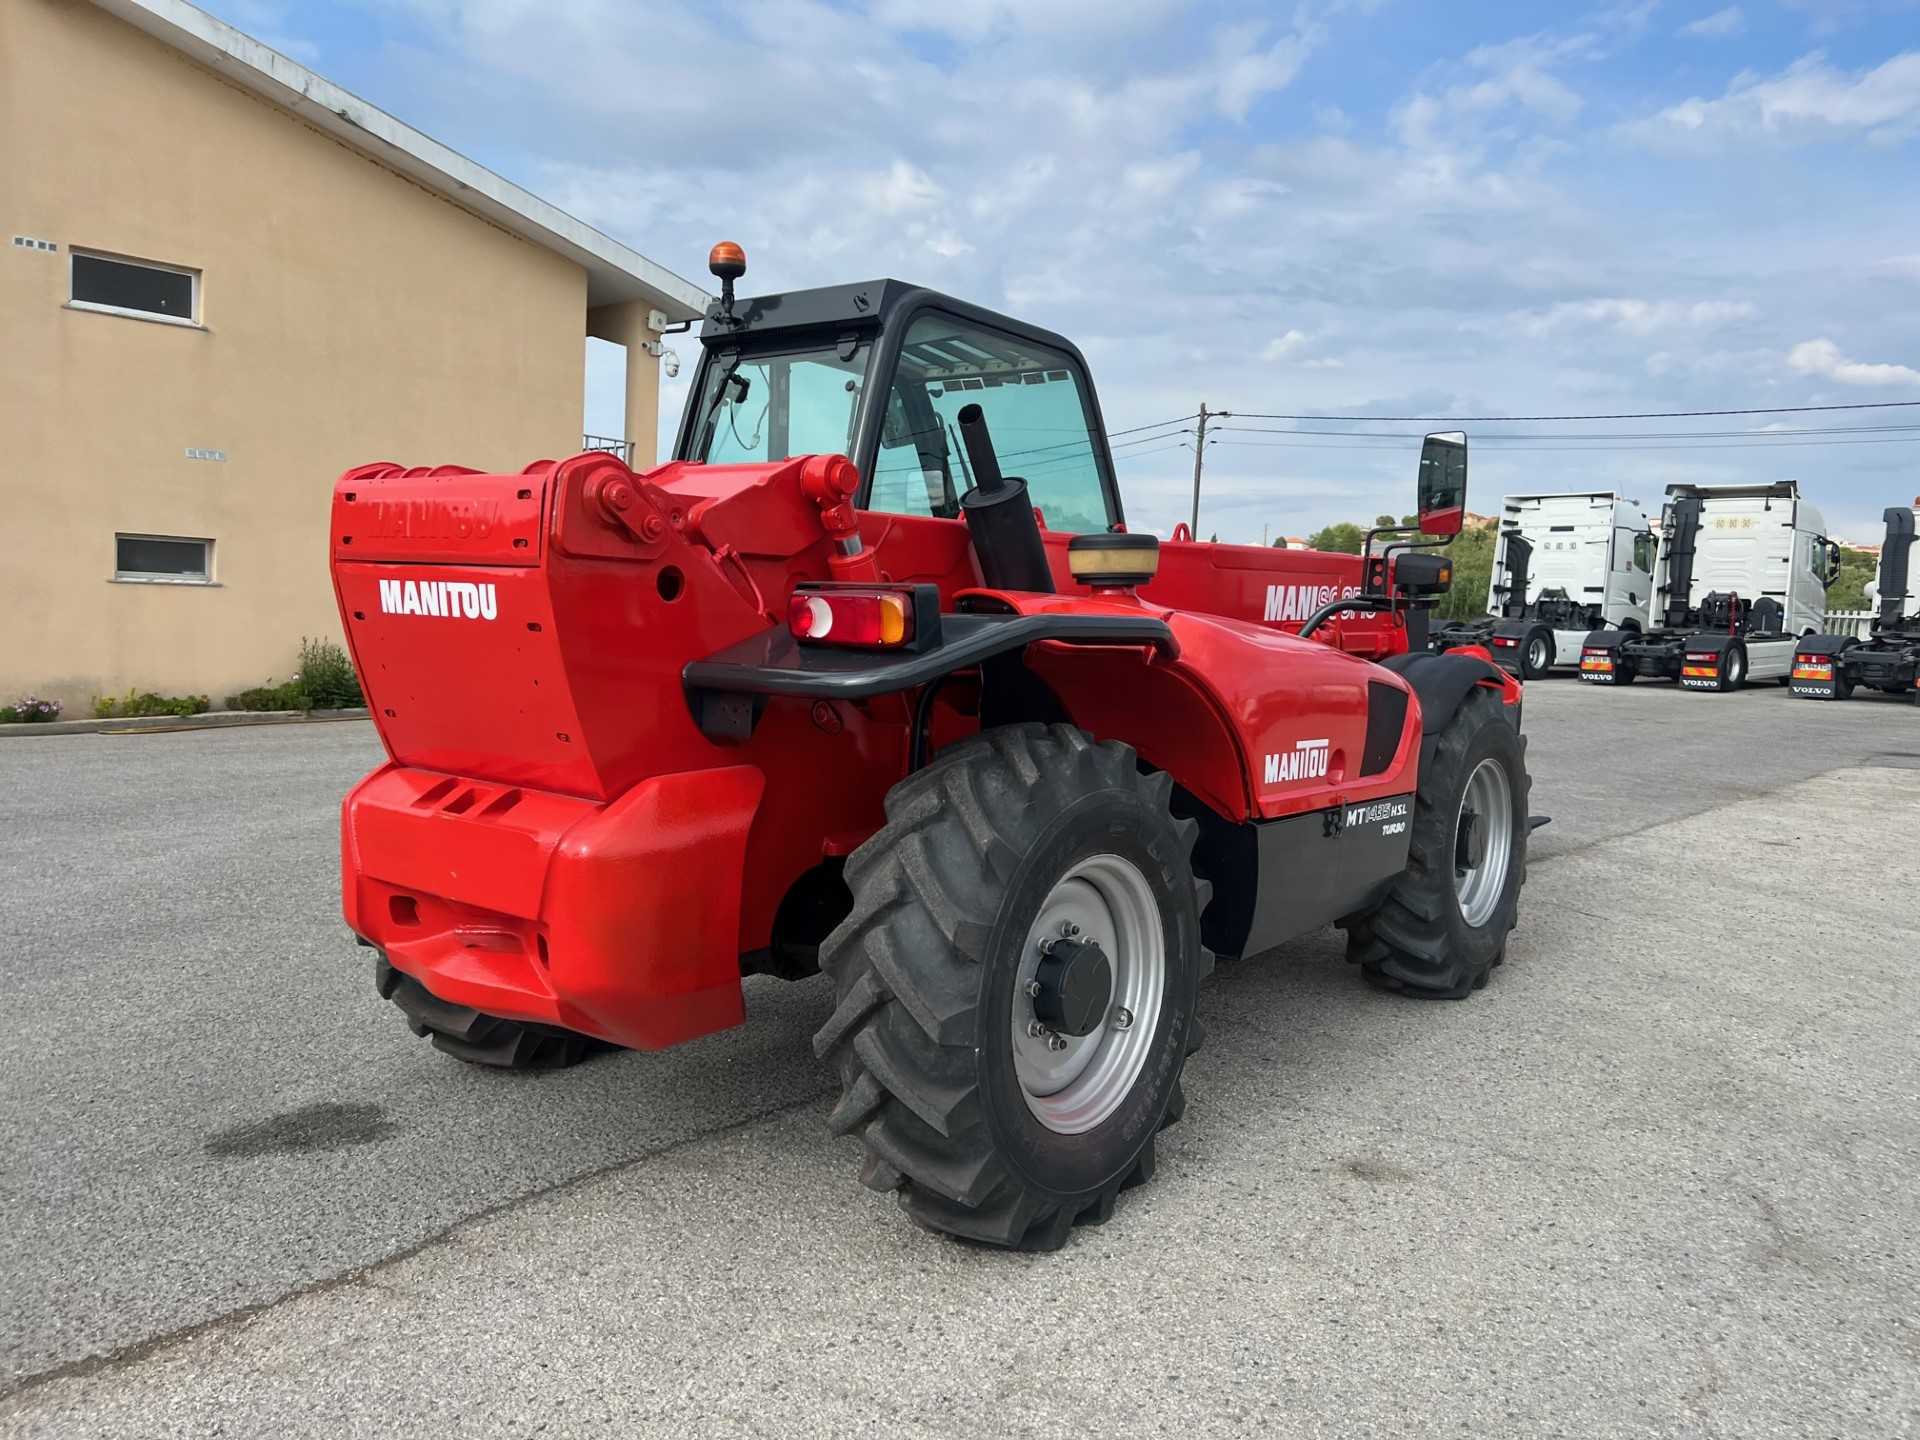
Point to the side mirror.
(1443, 483)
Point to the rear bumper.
(617, 920)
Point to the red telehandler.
(871, 678)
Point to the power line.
(1499, 435)
(1141, 454)
(1629, 415)
(1177, 420)
(1590, 449)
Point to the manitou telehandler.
(872, 678)
(1564, 565)
(1761, 556)
(1831, 667)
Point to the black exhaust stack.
(1684, 515)
(1894, 558)
(1006, 537)
(1519, 552)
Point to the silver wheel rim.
(1736, 668)
(1537, 655)
(1072, 1089)
(1489, 800)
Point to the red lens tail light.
(865, 616)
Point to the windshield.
(1036, 409)
(757, 407)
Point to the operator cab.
(879, 372)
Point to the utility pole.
(1199, 455)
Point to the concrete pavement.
(1656, 1179)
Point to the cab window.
(1643, 551)
(1035, 402)
(755, 408)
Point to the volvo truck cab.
(1742, 575)
(1564, 565)
(1832, 667)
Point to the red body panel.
(549, 908)
(556, 840)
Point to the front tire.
(990, 1121)
(1443, 926)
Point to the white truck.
(1564, 565)
(1742, 574)
(1831, 667)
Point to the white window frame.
(143, 577)
(78, 253)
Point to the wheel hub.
(1471, 849)
(1088, 993)
(1074, 987)
(1484, 846)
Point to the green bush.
(325, 681)
(287, 696)
(148, 703)
(326, 675)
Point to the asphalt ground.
(1658, 1178)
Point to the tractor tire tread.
(906, 965)
(1403, 944)
(475, 1036)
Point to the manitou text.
(450, 599)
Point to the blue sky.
(1371, 207)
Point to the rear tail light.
(1506, 640)
(1807, 667)
(869, 616)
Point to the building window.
(167, 559)
(134, 287)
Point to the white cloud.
(1156, 179)
(901, 189)
(1809, 99)
(1720, 25)
(1250, 72)
(1291, 348)
(1133, 186)
(1633, 317)
(1822, 357)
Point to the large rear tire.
(1733, 669)
(1537, 659)
(1015, 985)
(477, 1037)
(1443, 927)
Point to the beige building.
(222, 282)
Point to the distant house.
(1471, 521)
(228, 281)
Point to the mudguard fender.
(1441, 682)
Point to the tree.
(1383, 522)
(1344, 538)
(1472, 554)
(1849, 592)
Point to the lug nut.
(1069, 929)
(1122, 1018)
(1033, 989)
(1036, 1031)
(1056, 1042)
